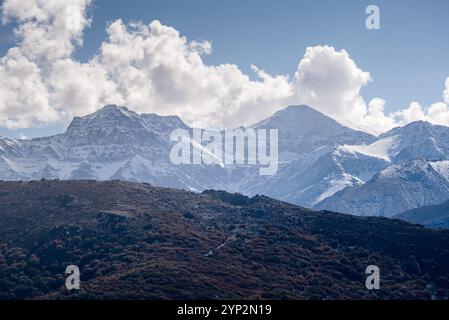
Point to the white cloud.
(48, 29)
(158, 70)
(152, 68)
(446, 91)
(330, 80)
(43, 39)
(24, 98)
(375, 118)
(80, 88)
(438, 113)
(413, 113)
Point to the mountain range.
(322, 163)
(435, 216)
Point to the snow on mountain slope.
(405, 185)
(442, 167)
(112, 143)
(303, 129)
(305, 136)
(322, 162)
(319, 175)
(398, 188)
(418, 139)
(378, 149)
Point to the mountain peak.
(299, 110)
(302, 129)
(419, 139)
(413, 128)
(296, 115)
(110, 124)
(418, 125)
(300, 107)
(112, 107)
(302, 118)
(114, 115)
(172, 121)
(107, 115)
(413, 165)
(112, 111)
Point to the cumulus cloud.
(153, 68)
(413, 113)
(330, 79)
(23, 94)
(158, 70)
(48, 31)
(375, 118)
(436, 113)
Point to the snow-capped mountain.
(332, 172)
(303, 130)
(112, 143)
(418, 139)
(308, 170)
(418, 175)
(322, 163)
(397, 188)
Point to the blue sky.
(408, 58)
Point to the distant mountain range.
(323, 164)
(135, 241)
(436, 216)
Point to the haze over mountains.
(435, 216)
(323, 164)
